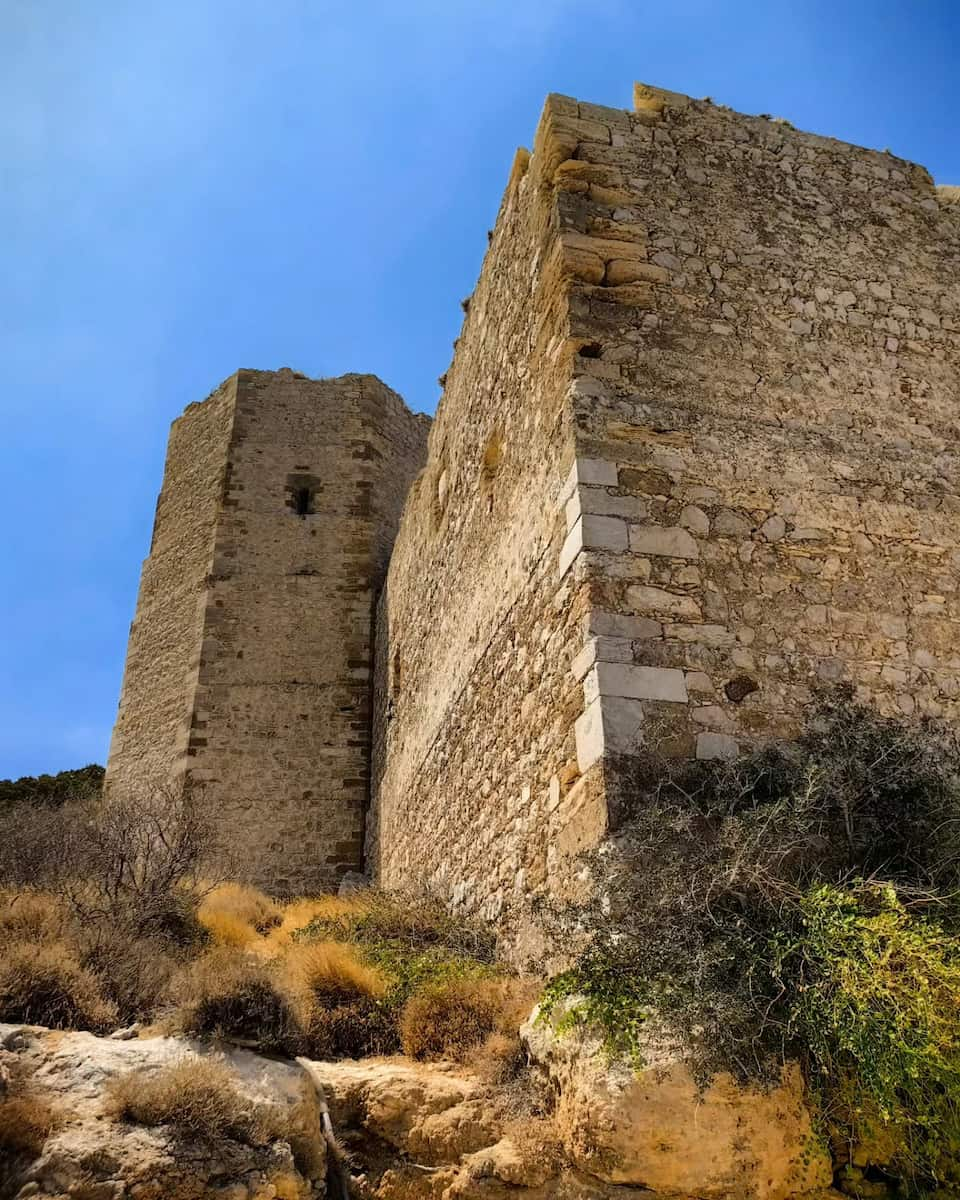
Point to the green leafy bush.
(799, 902)
(873, 994)
(52, 790)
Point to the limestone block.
(601, 649)
(665, 541)
(572, 545)
(657, 1128)
(694, 519)
(620, 270)
(604, 533)
(716, 745)
(604, 248)
(588, 472)
(608, 724)
(647, 98)
(600, 503)
(774, 528)
(648, 599)
(620, 625)
(581, 264)
(634, 681)
(706, 635)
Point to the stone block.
(620, 625)
(634, 681)
(664, 541)
(653, 599)
(716, 745)
(599, 502)
(601, 649)
(572, 545)
(604, 533)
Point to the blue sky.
(198, 185)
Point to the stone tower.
(696, 456)
(248, 668)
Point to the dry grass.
(26, 1121)
(332, 973)
(46, 985)
(235, 914)
(297, 914)
(32, 916)
(199, 1098)
(240, 997)
(342, 993)
(468, 1020)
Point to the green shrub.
(799, 902)
(874, 999)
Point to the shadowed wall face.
(276, 733)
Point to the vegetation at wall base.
(801, 903)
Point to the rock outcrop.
(657, 1128)
(90, 1155)
(411, 1130)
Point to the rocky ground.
(409, 1130)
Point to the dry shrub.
(346, 1020)
(297, 914)
(26, 1121)
(458, 1018)
(235, 914)
(133, 972)
(332, 973)
(32, 916)
(199, 1098)
(46, 985)
(240, 997)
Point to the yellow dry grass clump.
(44, 984)
(32, 916)
(475, 1021)
(198, 1097)
(332, 973)
(297, 914)
(235, 914)
(26, 1121)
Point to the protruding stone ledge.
(647, 98)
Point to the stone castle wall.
(772, 385)
(734, 477)
(152, 729)
(312, 476)
(696, 455)
(474, 700)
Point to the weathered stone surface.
(89, 1149)
(656, 1128)
(249, 660)
(665, 542)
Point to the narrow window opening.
(590, 350)
(303, 501)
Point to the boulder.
(90, 1155)
(435, 1113)
(656, 1127)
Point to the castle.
(697, 451)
